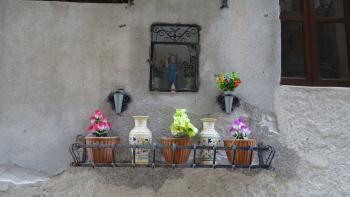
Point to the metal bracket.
(78, 151)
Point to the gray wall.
(312, 159)
(59, 61)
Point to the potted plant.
(98, 134)
(228, 82)
(240, 132)
(182, 131)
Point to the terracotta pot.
(101, 155)
(181, 156)
(242, 156)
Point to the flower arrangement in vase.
(228, 82)
(240, 132)
(182, 131)
(98, 132)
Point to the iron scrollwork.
(175, 34)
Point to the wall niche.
(174, 58)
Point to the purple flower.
(239, 129)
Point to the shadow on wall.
(139, 177)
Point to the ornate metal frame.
(176, 34)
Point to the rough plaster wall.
(312, 159)
(59, 62)
(314, 122)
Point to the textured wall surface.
(60, 61)
(312, 159)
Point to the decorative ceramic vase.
(140, 135)
(208, 137)
(181, 155)
(243, 157)
(228, 101)
(101, 155)
(118, 100)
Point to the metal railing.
(78, 151)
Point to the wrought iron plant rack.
(78, 151)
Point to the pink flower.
(91, 128)
(101, 126)
(239, 129)
(98, 123)
(98, 114)
(92, 120)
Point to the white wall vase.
(140, 135)
(228, 101)
(208, 137)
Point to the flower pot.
(101, 155)
(208, 137)
(181, 155)
(140, 135)
(242, 156)
(228, 101)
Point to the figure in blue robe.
(172, 71)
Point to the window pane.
(291, 7)
(174, 67)
(329, 8)
(292, 49)
(334, 62)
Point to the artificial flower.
(182, 127)
(239, 129)
(228, 81)
(99, 125)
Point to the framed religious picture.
(174, 58)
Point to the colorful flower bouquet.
(99, 125)
(240, 132)
(182, 130)
(99, 128)
(228, 81)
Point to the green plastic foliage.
(182, 126)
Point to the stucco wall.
(60, 61)
(312, 160)
(314, 123)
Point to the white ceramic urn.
(140, 135)
(208, 137)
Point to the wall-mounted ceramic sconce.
(119, 100)
(228, 102)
